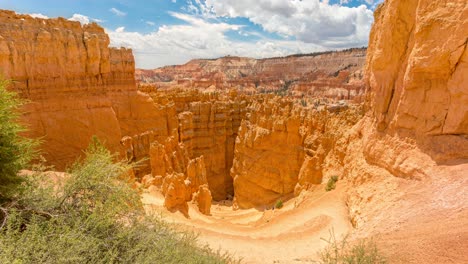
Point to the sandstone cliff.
(283, 148)
(416, 71)
(77, 86)
(407, 160)
(328, 74)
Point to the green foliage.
(331, 184)
(91, 215)
(341, 252)
(15, 151)
(279, 204)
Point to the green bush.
(15, 151)
(331, 184)
(342, 252)
(88, 215)
(279, 204)
(92, 216)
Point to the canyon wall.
(76, 85)
(416, 70)
(284, 147)
(328, 74)
(207, 126)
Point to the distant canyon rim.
(220, 142)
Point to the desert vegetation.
(341, 251)
(90, 214)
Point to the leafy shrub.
(341, 252)
(89, 215)
(92, 216)
(331, 184)
(279, 204)
(15, 150)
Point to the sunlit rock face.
(76, 85)
(329, 74)
(416, 71)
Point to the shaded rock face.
(416, 70)
(210, 129)
(182, 179)
(77, 86)
(329, 74)
(284, 148)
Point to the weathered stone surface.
(181, 177)
(283, 148)
(416, 71)
(77, 86)
(175, 192)
(203, 199)
(415, 134)
(329, 74)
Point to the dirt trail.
(411, 221)
(291, 234)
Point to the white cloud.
(84, 19)
(305, 25)
(311, 21)
(38, 15)
(117, 12)
(120, 29)
(151, 23)
(80, 18)
(177, 44)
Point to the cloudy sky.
(166, 32)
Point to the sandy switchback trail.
(291, 234)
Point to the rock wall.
(207, 125)
(284, 148)
(181, 179)
(329, 74)
(210, 129)
(77, 86)
(416, 71)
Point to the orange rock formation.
(283, 148)
(76, 84)
(328, 74)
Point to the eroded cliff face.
(284, 147)
(77, 86)
(207, 125)
(329, 74)
(416, 71)
(407, 159)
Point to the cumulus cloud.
(310, 21)
(38, 15)
(117, 12)
(150, 23)
(120, 29)
(300, 27)
(177, 44)
(80, 18)
(84, 19)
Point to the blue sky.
(165, 32)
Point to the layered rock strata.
(416, 71)
(283, 148)
(328, 74)
(181, 179)
(76, 85)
